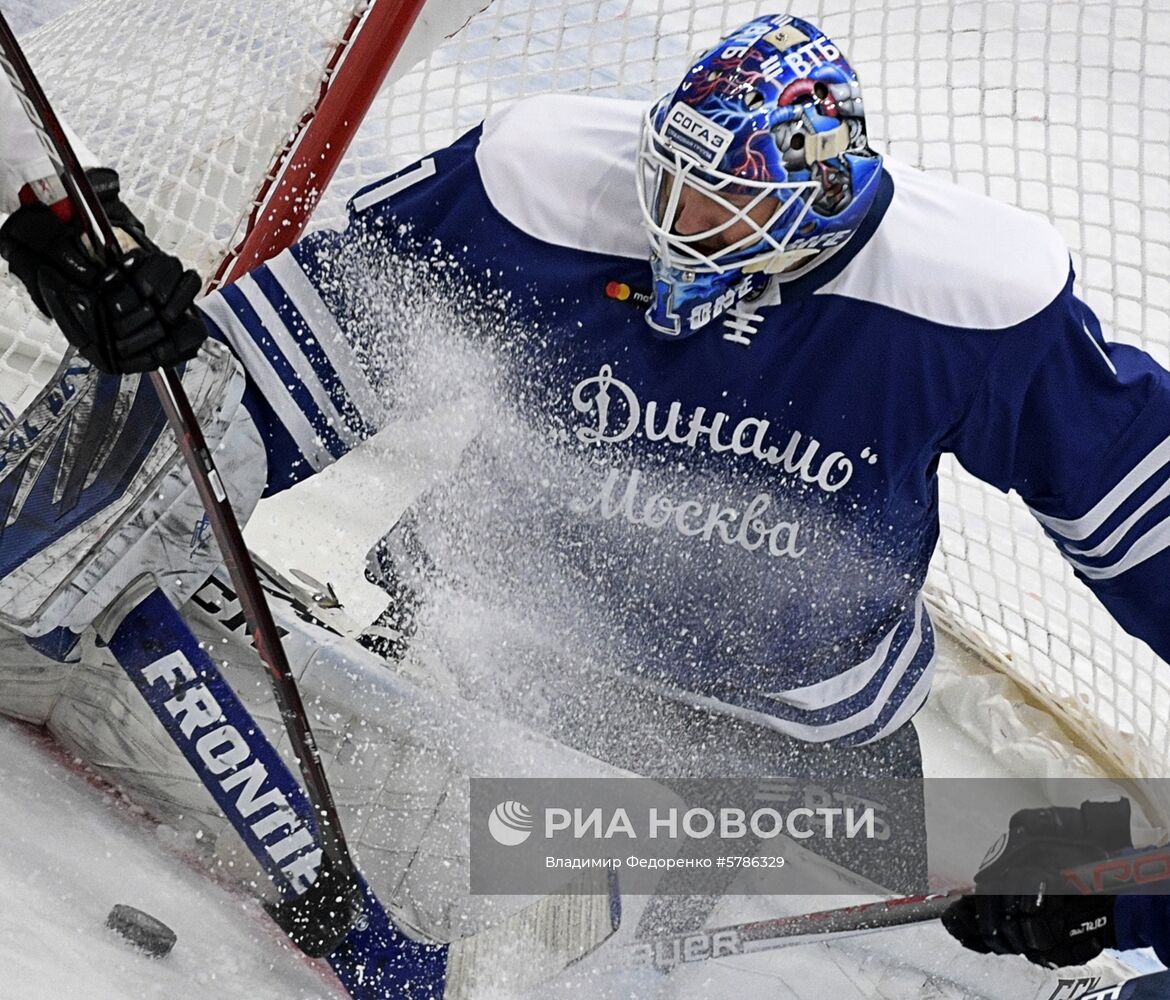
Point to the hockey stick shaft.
(1127, 873)
(196, 453)
(255, 607)
(1134, 872)
(779, 932)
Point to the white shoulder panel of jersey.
(955, 257)
(561, 168)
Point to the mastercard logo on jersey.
(619, 291)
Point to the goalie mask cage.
(1060, 108)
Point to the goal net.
(1060, 108)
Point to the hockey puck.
(142, 930)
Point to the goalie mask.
(757, 165)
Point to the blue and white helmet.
(768, 128)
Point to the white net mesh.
(1061, 108)
(189, 102)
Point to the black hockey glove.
(1012, 912)
(132, 317)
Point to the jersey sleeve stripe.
(232, 328)
(328, 348)
(280, 328)
(267, 333)
(1079, 529)
(1115, 537)
(388, 188)
(1154, 541)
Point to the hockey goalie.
(707, 355)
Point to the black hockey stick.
(223, 521)
(1136, 872)
(664, 953)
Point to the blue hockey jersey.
(747, 516)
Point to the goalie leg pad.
(397, 756)
(31, 683)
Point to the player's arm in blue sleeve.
(316, 326)
(1080, 428)
(306, 390)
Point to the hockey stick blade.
(538, 942)
(527, 949)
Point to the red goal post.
(303, 168)
(225, 119)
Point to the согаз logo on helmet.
(510, 823)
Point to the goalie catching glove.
(1014, 910)
(131, 316)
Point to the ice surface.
(69, 851)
